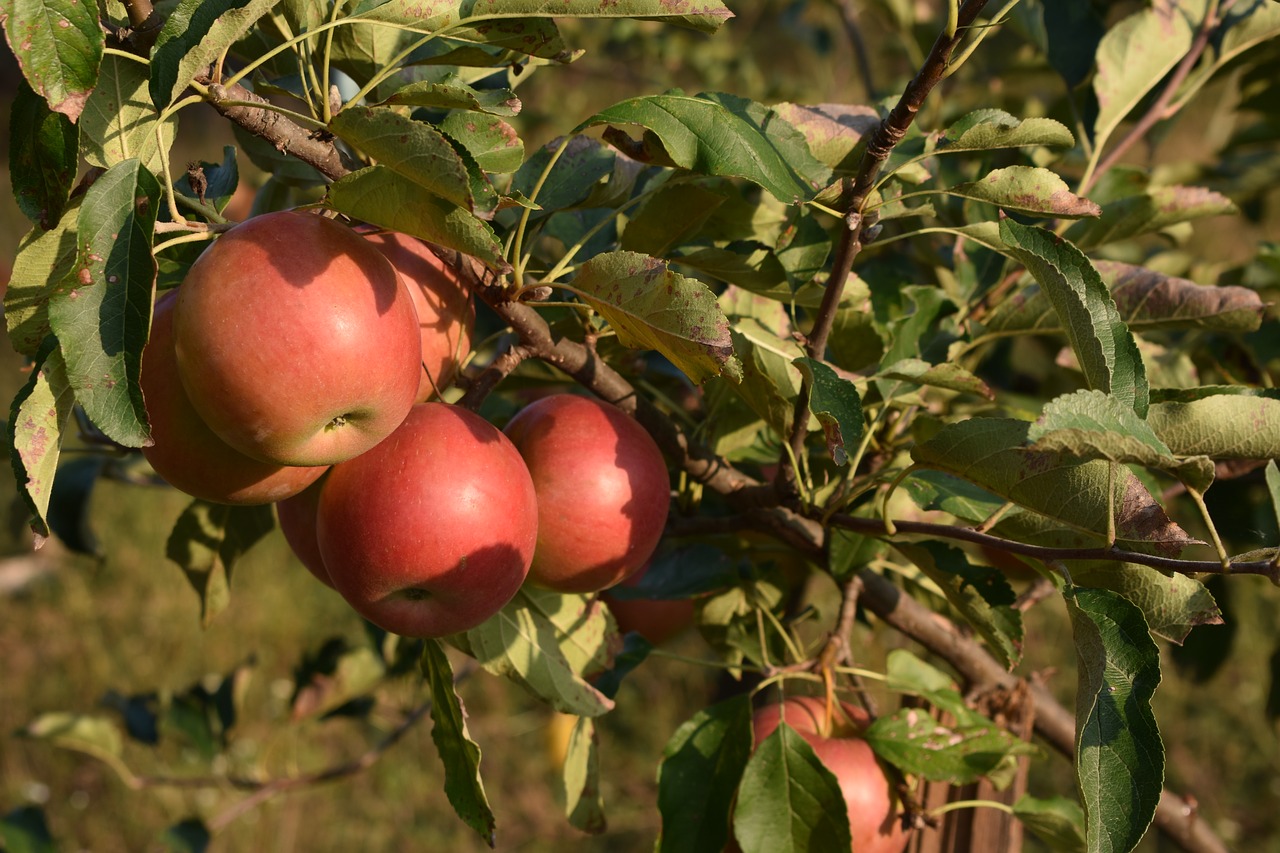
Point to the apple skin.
(603, 491)
(873, 807)
(446, 312)
(296, 340)
(657, 620)
(432, 531)
(297, 517)
(186, 453)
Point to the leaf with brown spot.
(993, 453)
(1030, 190)
(1147, 212)
(651, 307)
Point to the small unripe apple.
(296, 340)
(186, 453)
(873, 808)
(446, 313)
(603, 491)
(432, 531)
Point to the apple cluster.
(293, 366)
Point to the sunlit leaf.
(37, 418)
(58, 45)
(195, 33)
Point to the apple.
(186, 453)
(297, 517)
(446, 313)
(432, 531)
(657, 620)
(296, 340)
(603, 491)
(872, 804)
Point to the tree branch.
(880, 144)
(289, 137)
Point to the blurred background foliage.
(116, 632)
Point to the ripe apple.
(657, 620)
(186, 453)
(446, 314)
(296, 341)
(297, 516)
(873, 807)
(603, 491)
(432, 531)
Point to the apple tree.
(921, 360)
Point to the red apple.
(446, 314)
(873, 807)
(656, 620)
(186, 453)
(297, 516)
(296, 341)
(603, 491)
(432, 531)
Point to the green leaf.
(1148, 212)
(432, 15)
(651, 307)
(935, 490)
(1171, 604)
(851, 552)
(333, 676)
(991, 453)
(102, 312)
(837, 406)
(1246, 25)
(1119, 756)
(1094, 425)
(453, 93)
(1030, 190)
(1133, 57)
(493, 143)
(544, 642)
(458, 752)
(1146, 299)
(946, 375)
(1056, 821)
(44, 259)
(716, 134)
(834, 131)
(789, 802)
(1103, 345)
(414, 150)
(981, 594)
(909, 674)
(1273, 487)
(120, 122)
(1221, 426)
(580, 167)
(380, 196)
(37, 416)
(43, 147)
(700, 769)
(24, 830)
(96, 736)
(58, 45)
(187, 836)
(912, 740)
(206, 542)
(583, 803)
(195, 34)
(989, 129)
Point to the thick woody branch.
(313, 148)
